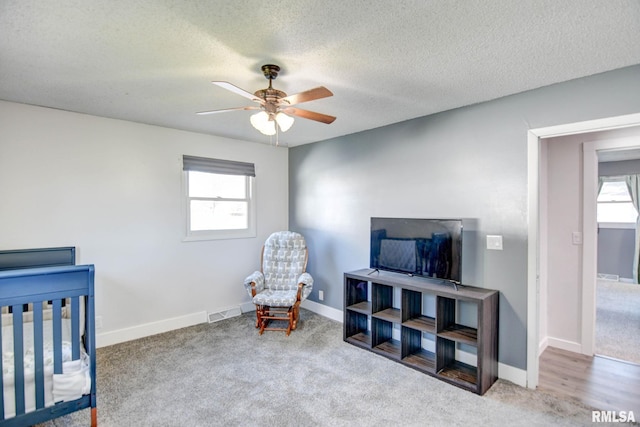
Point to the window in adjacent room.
(614, 203)
(219, 198)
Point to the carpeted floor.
(618, 320)
(225, 374)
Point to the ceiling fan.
(276, 107)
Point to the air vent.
(223, 314)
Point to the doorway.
(617, 320)
(625, 142)
(601, 382)
(537, 255)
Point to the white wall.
(563, 216)
(564, 207)
(113, 189)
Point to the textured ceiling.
(385, 61)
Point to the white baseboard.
(147, 329)
(543, 345)
(466, 358)
(564, 345)
(323, 310)
(515, 375)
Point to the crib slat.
(18, 358)
(57, 336)
(38, 353)
(75, 328)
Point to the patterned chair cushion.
(275, 298)
(283, 260)
(256, 277)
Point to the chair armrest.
(256, 279)
(306, 280)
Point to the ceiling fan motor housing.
(270, 95)
(270, 71)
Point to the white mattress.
(71, 385)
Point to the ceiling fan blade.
(311, 115)
(235, 89)
(308, 95)
(227, 110)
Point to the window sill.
(221, 235)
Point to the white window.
(614, 203)
(219, 199)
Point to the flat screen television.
(418, 247)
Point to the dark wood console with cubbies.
(425, 324)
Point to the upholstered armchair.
(282, 282)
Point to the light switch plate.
(494, 242)
(576, 238)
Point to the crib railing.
(36, 295)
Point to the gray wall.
(469, 162)
(615, 251)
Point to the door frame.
(590, 232)
(536, 256)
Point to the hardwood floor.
(600, 382)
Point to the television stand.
(449, 334)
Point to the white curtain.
(633, 184)
(601, 180)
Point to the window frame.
(250, 193)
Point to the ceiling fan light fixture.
(261, 122)
(276, 111)
(284, 121)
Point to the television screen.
(417, 246)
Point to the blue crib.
(43, 293)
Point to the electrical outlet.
(98, 322)
(321, 295)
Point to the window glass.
(219, 206)
(614, 203)
(212, 185)
(614, 191)
(215, 215)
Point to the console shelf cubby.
(425, 324)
